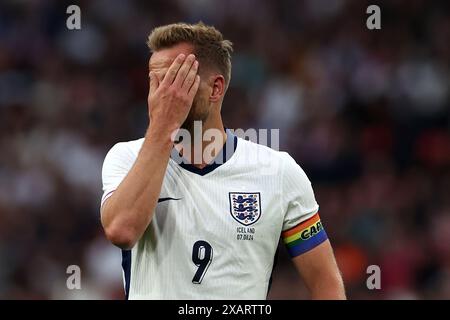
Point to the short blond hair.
(210, 48)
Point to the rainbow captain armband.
(304, 236)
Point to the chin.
(188, 124)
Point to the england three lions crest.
(245, 207)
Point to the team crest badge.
(245, 207)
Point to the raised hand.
(171, 99)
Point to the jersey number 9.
(202, 254)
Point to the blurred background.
(365, 113)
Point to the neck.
(203, 141)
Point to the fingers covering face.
(194, 88)
(182, 74)
(190, 77)
(173, 70)
(184, 71)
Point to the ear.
(218, 88)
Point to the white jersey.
(215, 231)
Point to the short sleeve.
(117, 163)
(302, 228)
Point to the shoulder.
(124, 152)
(268, 160)
(265, 153)
(126, 147)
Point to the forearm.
(128, 212)
(330, 288)
(320, 272)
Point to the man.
(207, 229)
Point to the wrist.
(160, 136)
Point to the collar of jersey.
(220, 159)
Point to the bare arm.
(320, 273)
(128, 212)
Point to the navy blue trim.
(126, 266)
(220, 159)
(167, 199)
(275, 262)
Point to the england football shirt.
(215, 230)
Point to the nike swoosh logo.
(167, 199)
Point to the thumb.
(154, 83)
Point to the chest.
(239, 209)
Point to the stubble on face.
(199, 112)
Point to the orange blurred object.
(352, 262)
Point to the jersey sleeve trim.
(106, 196)
(305, 236)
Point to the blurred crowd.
(364, 112)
